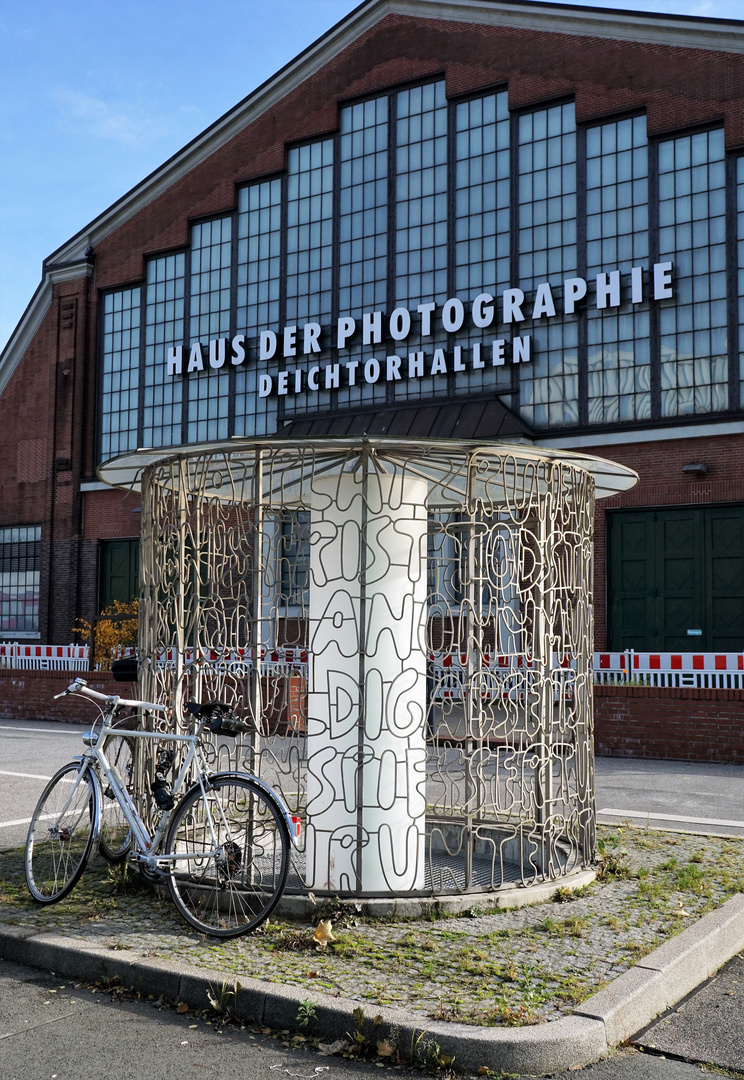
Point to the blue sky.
(95, 94)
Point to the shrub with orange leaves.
(113, 634)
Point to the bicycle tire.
(115, 840)
(231, 894)
(61, 835)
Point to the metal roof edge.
(678, 31)
(565, 440)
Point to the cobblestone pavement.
(507, 967)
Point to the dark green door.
(725, 541)
(676, 580)
(119, 571)
(632, 581)
(680, 581)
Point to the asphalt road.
(29, 755)
(49, 1030)
(669, 794)
(706, 1026)
(685, 795)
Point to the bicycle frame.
(146, 846)
(145, 843)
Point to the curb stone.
(509, 897)
(628, 1004)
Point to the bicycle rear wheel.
(61, 834)
(116, 836)
(233, 892)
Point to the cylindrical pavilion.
(409, 627)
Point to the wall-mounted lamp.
(699, 468)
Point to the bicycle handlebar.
(79, 687)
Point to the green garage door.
(676, 571)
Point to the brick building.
(472, 218)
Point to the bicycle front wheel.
(61, 834)
(238, 847)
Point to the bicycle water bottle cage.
(220, 717)
(160, 786)
(161, 793)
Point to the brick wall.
(29, 695)
(42, 448)
(687, 725)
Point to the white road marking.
(43, 731)
(24, 821)
(653, 815)
(25, 775)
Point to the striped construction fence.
(717, 671)
(662, 669)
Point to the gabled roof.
(724, 35)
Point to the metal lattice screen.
(409, 630)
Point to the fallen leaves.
(337, 1047)
(323, 933)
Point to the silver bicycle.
(221, 842)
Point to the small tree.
(115, 630)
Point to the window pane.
(211, 245)
(120, 357)
(19, 580)
(694, 362)
(546, 209)
(618, 355)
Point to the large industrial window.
(120, 372)
(619, 354)
(258, 297)
(417, 199)
(692, 234)
(421, 207)
(546, 204)
(19, 581)
(309, 279)
(363, 228)
(482, 214)
(164, 325)
(209, 392)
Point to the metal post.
(257, 500)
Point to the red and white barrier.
(683, 669)
(44, 657)
(722, 671)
